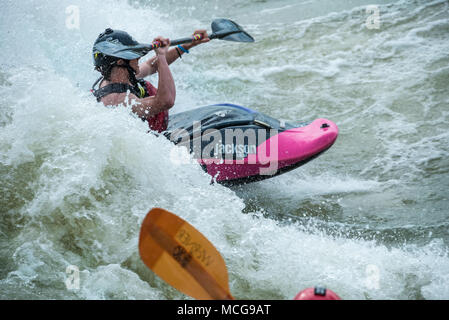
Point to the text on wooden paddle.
(194, 248)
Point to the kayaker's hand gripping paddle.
(223, 29)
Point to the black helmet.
(112, 45)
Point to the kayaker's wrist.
(188, 46)
(160, 58)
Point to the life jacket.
(144, 89)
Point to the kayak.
(238, 145)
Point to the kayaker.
(116, 56)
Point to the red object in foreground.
(317, 293)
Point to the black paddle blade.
(226, 29)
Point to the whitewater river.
(368, 219)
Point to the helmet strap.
(99, 80)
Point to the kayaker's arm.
(148, 67)
(166, 93)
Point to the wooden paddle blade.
(182, 256)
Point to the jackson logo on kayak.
(183, 254)
(240, 150)
(228, 146)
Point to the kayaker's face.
(135, 65)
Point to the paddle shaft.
(217, 35)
